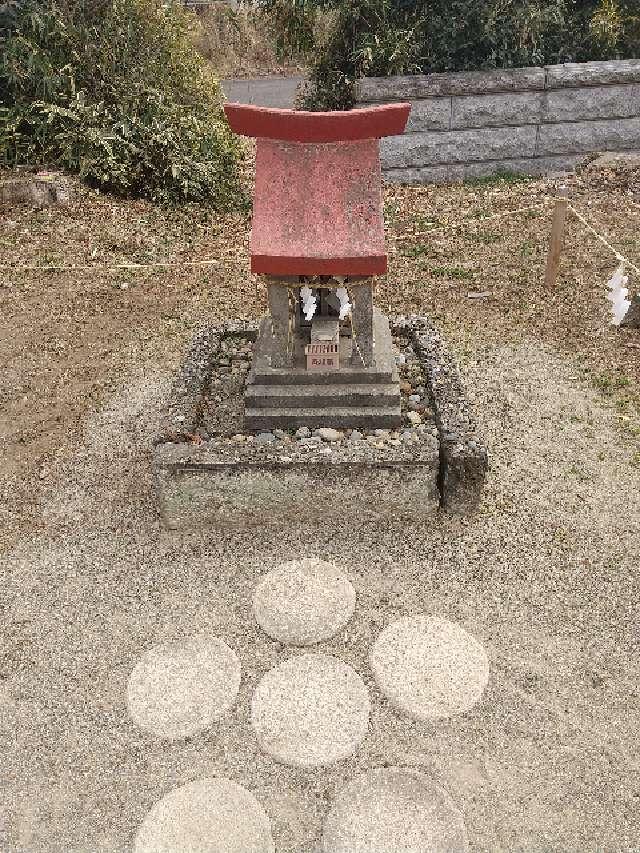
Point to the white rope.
(621, 258)
(479, 221)
(109, 268)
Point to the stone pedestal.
(366, 396)
(362, 325)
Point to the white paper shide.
(617, 286)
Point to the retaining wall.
(529, 120)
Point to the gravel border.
(184, 408)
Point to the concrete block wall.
(528, 120)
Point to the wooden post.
(557, 238)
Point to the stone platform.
(209, 469)
(353, 396)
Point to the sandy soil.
(545, 576)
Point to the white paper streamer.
(618, 295)
(345, 305)
(309, 302)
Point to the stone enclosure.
(208, 469)
(527, 120)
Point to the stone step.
(322, 396)
(341, 417)
(334, 378)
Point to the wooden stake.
(556, 243)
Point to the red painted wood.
(318, 209)
(300, 126)
(281, 265)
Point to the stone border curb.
(38, 189)
(464, 459)
(459, 473)
(184, 408)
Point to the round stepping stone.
(206, 816)
(303, 602)
(391, 810)
(178, 689)
(429, 667)
(310, 711)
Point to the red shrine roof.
(317, 206)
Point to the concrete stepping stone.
(393, 809)
(206, 816)
(310, 711)
(429, 667)
(304, 602)
(178, 689)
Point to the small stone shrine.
(324, 355)
(325, 409)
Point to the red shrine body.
(317, 207)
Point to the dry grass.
(238, 43)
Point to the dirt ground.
(545, 576)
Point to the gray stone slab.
(459, 146)
(429, 114)
(304, 602)
(178, 689)
(414, 87)
(578, 137)
(593, 102)
(394, 810)
(429, 668)
(207, 815)
(310, 711)
(304, 396)
(457, 172)
(192, 493)
(364, 417)
(263, 91)
(38, 190)
(593, 73)
(496, 110)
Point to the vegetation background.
(115, 91)
(385, 37)
(125, 92)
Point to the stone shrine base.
(209, 469)
(354, 396)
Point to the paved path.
(107, 734)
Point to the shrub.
(114, 91)
(384, 37)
